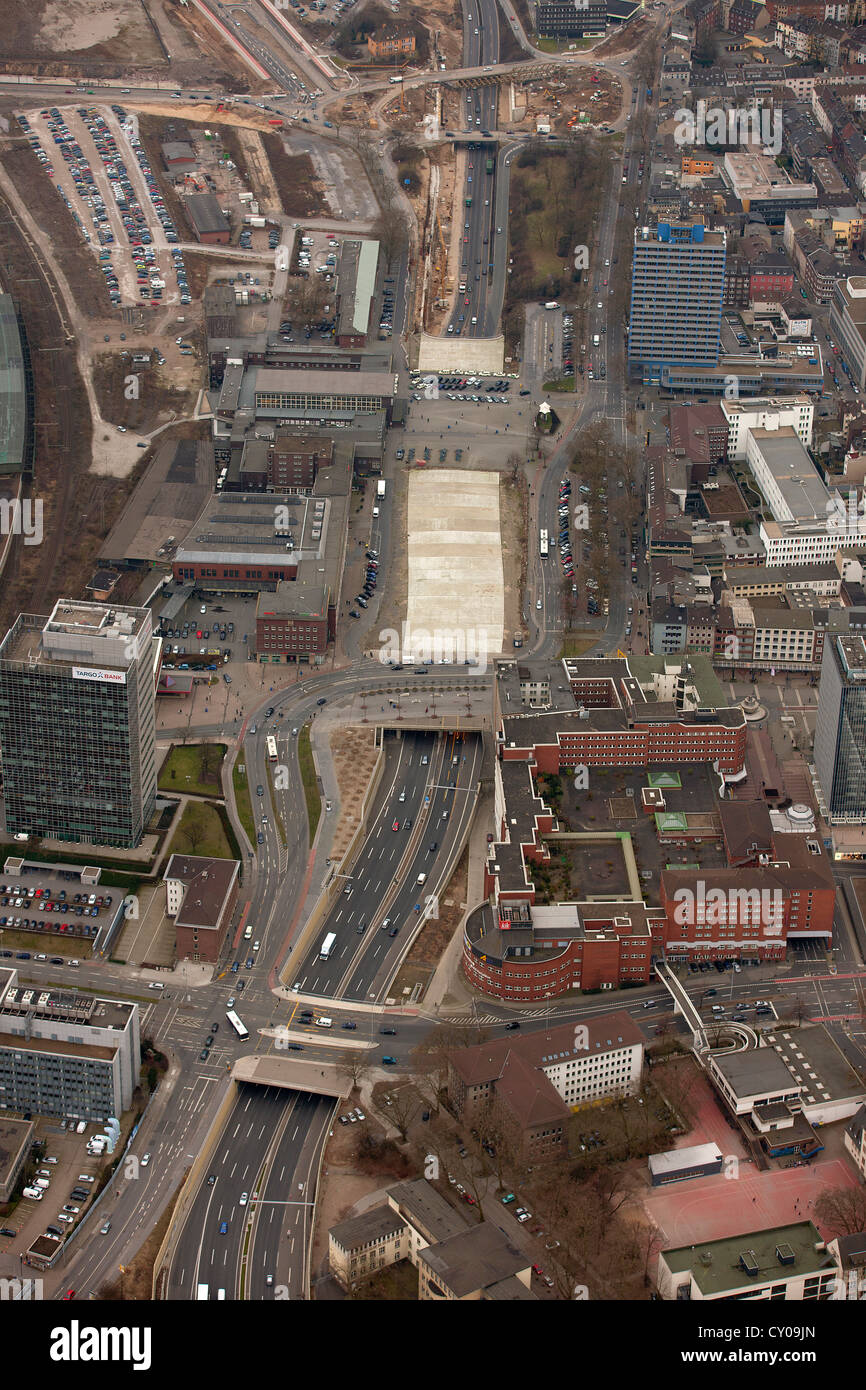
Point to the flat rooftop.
(164, 506)
(804, 492)
(77, 632)
(715, 1265)
(207, 883)
(63, 1006)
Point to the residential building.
(417, 1224)
(529, 1085)
(67, 1054)
(200, 895)
(77, 723)
(563, 19)
(678, 278)
(762, 187)
(854, 1140)
(391, 40)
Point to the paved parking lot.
(102, 175)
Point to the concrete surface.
(456, 584)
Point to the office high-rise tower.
(840, 729)
(678, 280)
(77, 723)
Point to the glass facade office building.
(840, 730)
(77, 723)
(678, 282)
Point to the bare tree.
(399, 1107)
(193, 832)
(354, 1066)
(843, 1209)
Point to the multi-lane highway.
(246, 1230)
(422, 812)
(480, 239)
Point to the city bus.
(240, 1029)
(543, 544)
(272, 748)
(327, 945)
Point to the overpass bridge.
(700, 1027)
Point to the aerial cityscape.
(432, 658)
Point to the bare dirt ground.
(432, 941)
(302, 193)
(98, 30)
(78, 508)
(345, 1183)
(154, 397)
(354, 757)
(261, 178)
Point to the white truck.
(380, 488)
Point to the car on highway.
(395, 825)
(224, 1228)
(244, 1198)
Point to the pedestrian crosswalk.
(471, 1017)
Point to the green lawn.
(564, 383)
(242, 800)
(201, 833)
(578, 643)
(194, 767)
(308, 776)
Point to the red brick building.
(295, 623)
(614, 725)
(294, 461)
(518, 945)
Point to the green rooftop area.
(657, 777)
(762, 1257)
(703, 678)
(13, 398)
